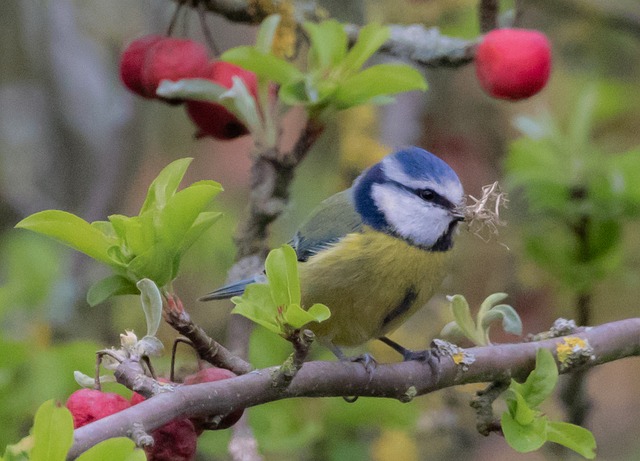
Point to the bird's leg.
(432, 359)
(407, 354)
(366, 359)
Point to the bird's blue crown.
(415, 165)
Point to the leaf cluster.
(580, 196)
(276, 304)
(149, 245)
(333, 78)
(526, 428)
(477, 331)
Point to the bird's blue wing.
(328, 223)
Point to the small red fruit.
(214, 119)
(132, 62)
(173, 59)
(175, 441)
(88, 405)
(513, 64)
(207, 375)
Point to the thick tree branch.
(401, 381)
(416, 43)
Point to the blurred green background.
(72, 138)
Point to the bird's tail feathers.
(232, 289)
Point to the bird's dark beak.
(457, 215)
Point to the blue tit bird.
(376, 252)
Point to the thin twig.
(207, 348)
(488, 13)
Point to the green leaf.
(489, 302)
(156, 264)
(282, 272)
(242, 104)
(202, 223)
(116, 449)
(71, 231)
(511, 322)
(522, 413)
(328, 44)
(266, 33)
(376, 81)
(542, 380)
(151, 301)
(462, 316)
(164, 186)
(574, 437)
(52, 432)
(108, 287)
(524, 438)
(182, 210)
(266, 66)
(370, 39)
(196, 89)
(257, 305)
(296, 317)
(452, 330)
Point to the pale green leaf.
(257, 305)
(266, 66)
(71, 230)
(116, 449)
(462, 316)
(328, 44)
(370, 39)
(108, 287)
(524, 438)
(319, 312)
(52, 432)
(489, 302)
(522, 413)
(196, 89)
(182, 211)
(294, 93)
(156, 264)
(296, 317)
(266, 33)
(576, 438)
(452, 330)
(202, 223)
(282, 272)
(511, 322)
(241, 102)
(376, 81)
(542, 380)
(164, 186)
(151, 301)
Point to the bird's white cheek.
(410, 216)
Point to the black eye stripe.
(434, 197)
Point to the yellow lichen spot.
(569, 347)
(458, 358)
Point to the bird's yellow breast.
(372, 283)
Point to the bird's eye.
(427, 194)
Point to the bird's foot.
(367, 361)
(429, 356)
